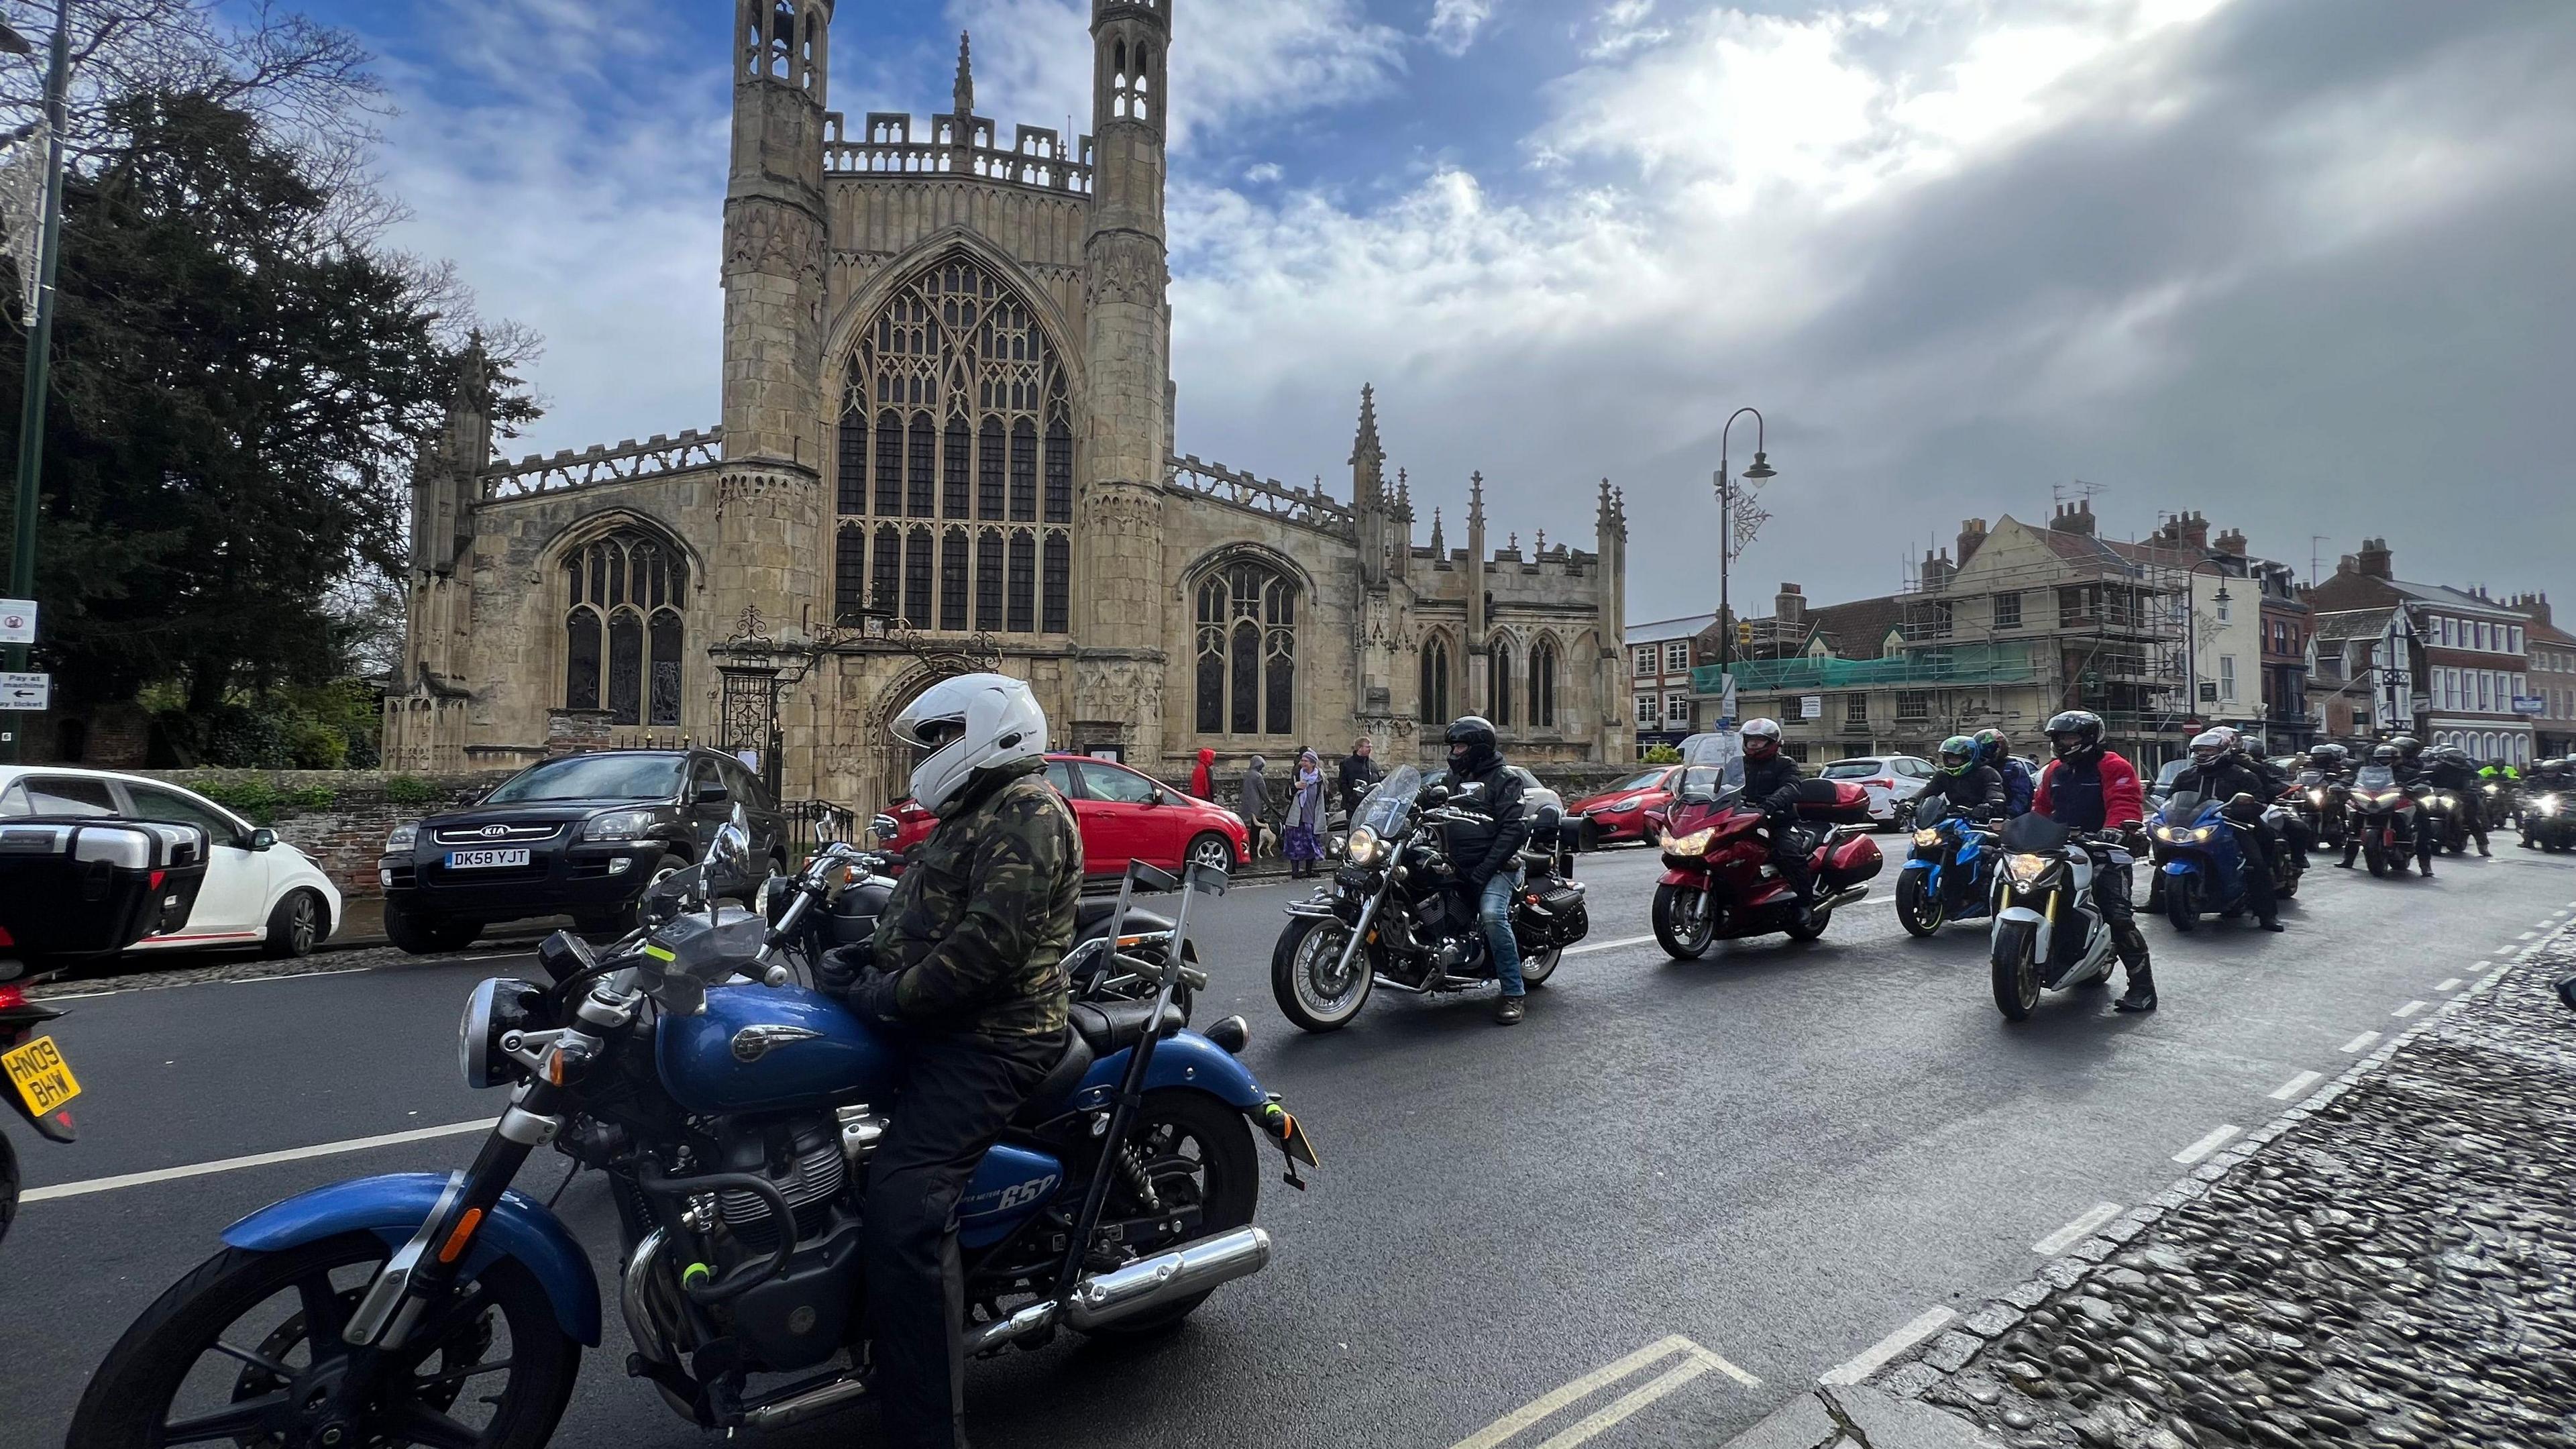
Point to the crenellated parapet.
(1312, 507)
(659, 456)
(1038, 156)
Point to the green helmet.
(1958, 753)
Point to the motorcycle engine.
(802, 1315)
(1453, 954)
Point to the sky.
(2300, 265)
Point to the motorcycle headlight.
(2316, 797)
(618, 825)
(1695, 843)
(1363, 846)
(496, 1008)
(1927, 838)
(1624, 807)
(2491, 789)
(2203, 834)
(2026, 870)
(2172, 834)
(2548, 804)
(400, 838)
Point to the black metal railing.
(805, 819)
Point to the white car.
(258, 891)
(1891, 780)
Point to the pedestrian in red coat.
(1202, 781)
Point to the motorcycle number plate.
(43, 1079)
(485, 859)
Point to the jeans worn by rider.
(973, 941)
(2224, 781)
(2100, 792)
(1490, 878)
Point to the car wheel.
(298, 924)
(416, 931)
(1212, 849)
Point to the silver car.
(1891, 780)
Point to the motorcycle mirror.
(1435, 797)
(826, 831)
(885, 828)
(729, 854)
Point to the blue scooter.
(2201, 863)
(1951, 874)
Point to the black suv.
(583, 836)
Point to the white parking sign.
(17, 621)
(26, 691)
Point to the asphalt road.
(1779, 1154)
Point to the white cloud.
(1454, 23)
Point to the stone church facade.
(947, 445)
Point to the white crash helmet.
(971, 723)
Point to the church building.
(946, 445)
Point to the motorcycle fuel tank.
(758, 1049)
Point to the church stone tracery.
(946, 443)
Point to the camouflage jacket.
(980, 922)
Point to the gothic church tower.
(1127, 376)
(769, 521)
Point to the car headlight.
(400, 838)
(1363, 846)
(618, 825)
(1927, 838)
(1623, 807)
(496, 1008)
(1695, 843)
(2026, 870)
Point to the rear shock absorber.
(1131, 1169)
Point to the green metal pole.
(40, 347)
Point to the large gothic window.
(1247, 651)
(1498, 683)
(1435, 682)
(956, 409)
(1542, 684)
(622, 634)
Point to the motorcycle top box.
(88, 888)
(1834, 802)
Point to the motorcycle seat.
(1092, 914)
(1059, 1083)
(1114, 1026)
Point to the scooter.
(2048, 933)
(1950, 874)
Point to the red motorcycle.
(1718, 882)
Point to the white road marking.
(2409, 1009)
(1870, 1359)
(1607, 945)
(2076, 1231)
(2216, 1139)
(298, 976)
(2363, 1040)
(2527, 935)
(2290, 1090)
(1696, 1361)
(256, 1159)
(2451, 985)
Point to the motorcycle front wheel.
(240, 1349)
(1918, 910)
(1684, 927)
(2182, 902)
(1306, 978)
(2015, 957)
(2375, 853)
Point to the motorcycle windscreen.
(2184, 809)
(2035, 834)
(1384, 809)
(2375, 778)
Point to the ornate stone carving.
(765, 236)
(1127, 266)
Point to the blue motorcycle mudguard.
(395, 1205)
(1916, 862)
(1184, 1059)
(2185, 867)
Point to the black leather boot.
(2141, 995)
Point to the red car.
(1619, 813)
(1124, 816)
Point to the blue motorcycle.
(1950, 876)
(734, 1124)
(2201, 863)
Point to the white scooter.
(2048, 933)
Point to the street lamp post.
(40, 338)
(1735, 508)
(2191, 634)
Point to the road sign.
(17, 621)
(26, 691)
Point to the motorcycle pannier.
(1839, 802)
(94, 887)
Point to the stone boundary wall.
(338, 817)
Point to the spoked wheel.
(1918, 908)
(1212, 849)
(247, 1350)
(1685, 921)
(2182, 902)
(1307, 977)
(2015, 956)
(1195, 1152)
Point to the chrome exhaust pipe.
(1842, 898)
(1001, 1334)
(1109, 1298)
(811, 1404)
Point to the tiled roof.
(2352, 624)
(1855, 630)
(1657, 631)
(2449, 598)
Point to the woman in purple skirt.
(1303, 843)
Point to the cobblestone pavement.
(2393, 1263)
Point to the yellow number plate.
(43, 1079)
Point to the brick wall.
(343, 815)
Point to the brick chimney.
(2374, 560)
(2535, 605)
(1972, 532)
(2075, 517)
(2232, 543)
(1937, 570)
(1789, 606)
